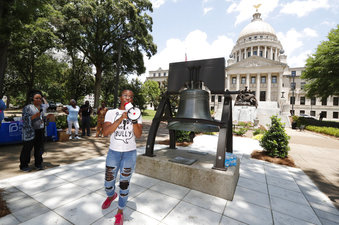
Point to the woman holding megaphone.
(124, 125)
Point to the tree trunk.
(3, 64)
(97, 86)
(116, 83)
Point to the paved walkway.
(72, 194)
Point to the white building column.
(276, 54)
(257, 92)
(245, 52)
(251, 50)
(248, 81)
(265, 56)
(271, 53)
(269, 83)
(258, 51)
(238, 82)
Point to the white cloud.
(206, 10)
(245, 9)
(299, 60)
(310, 32)
(303, 8)
(195, 45)
(290, 41)
(157, 3)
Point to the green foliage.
(322, 68)
(182, 136)
(324, 130)
(245, 124)
(151, 92)
(148, 115)
(275, 140)
(258, 137)
(240, 132)
(260, 130)
(313, 122)
(61, 122)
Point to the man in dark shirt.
(86, 111)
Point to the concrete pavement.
(72, 194)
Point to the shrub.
(182, 136)
(260, 130)
(324, 130)
(258, 137)
(240, 132)
(275, 140)
(61, 122)
(245, 124)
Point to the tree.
(275, 140)
(151, 92)
(13, 14)
(28, 44)
(107, 33)
(322, 68)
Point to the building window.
(324, 114)
(237, 58)
(154, 74)
(165, 74)
(255, 37)
(274, 79)
(324, 101)
(335, 115)
(263, 80)
(243, 80)
(255, 53)
(302, 100)
(234, 80)
(313, 100)
(302, 85)
(250, 38)
(262, 95)
(302, 112)
(252, 80)
(212, 98)
(260, 53)
(248, 54)
(312, 113)
(159, 74)
(219, 98)
(292, 100)
(212, 108)
(335, 100)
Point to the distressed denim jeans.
(125, 163)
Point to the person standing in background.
(33, 133)
(72, 111)
(86, 111)
(102, 110)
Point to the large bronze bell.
(194, 103)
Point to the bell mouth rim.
(194, 127)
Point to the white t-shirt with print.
(122, 139)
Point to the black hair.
(34, 92)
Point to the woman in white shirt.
(72, 111)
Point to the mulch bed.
(3, 206)
(261, 155)
(167, 142)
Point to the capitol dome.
(257, 26)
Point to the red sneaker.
(108, 202)
(119, 219)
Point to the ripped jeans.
(125, 162)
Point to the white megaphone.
(133, 113)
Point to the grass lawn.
(148, 114)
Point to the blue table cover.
(11, 132)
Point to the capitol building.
(258, 62)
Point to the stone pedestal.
(244, 113)
(199, 176)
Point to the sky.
(204, 29)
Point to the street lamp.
(293, 74)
